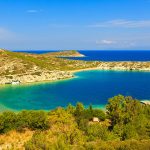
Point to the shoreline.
(73, 76)
(43, 74)
(61, 80)
(100, 69)
(3, 108)
(37, 82)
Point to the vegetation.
(24, 63)
(124, 125)
(24, 119)
(29, 68)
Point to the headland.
(19, 67)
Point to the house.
(16, 82)
(95, 119)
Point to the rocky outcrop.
(127, 66)
(36, 77)
(2, 50)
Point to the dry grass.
(14, 140)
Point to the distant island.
(19, 67)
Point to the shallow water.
(88, 87)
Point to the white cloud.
(123, 23)
(106, 42)
(116, 44)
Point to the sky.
(75, 24)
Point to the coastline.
(86, 69)
(53, 69)
(72, 72)
(3, 108)
(37, 82)
(99, 69)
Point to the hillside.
(70, 53)
(17, 62)
(27, 68)
(33, 67)
(124, 126)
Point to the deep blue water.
(109, 55)
(89, 87)
(115, 55)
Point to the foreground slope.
(125, 125)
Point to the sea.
(89, 87)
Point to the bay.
(89, 87)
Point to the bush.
(129, 118)
(24, 119)
(99, 114)
(7, 121)
(128, 126)
(97, 131)
(83, 116)
(33, 120)
(38, 142)
(38, 120)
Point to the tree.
(123, 110)
(99, 113)
(79, 109)
(128, 117)
(70, 109)
(97, 131)
(1, 124)
(38, 120)
(33, 120)
(8, 121)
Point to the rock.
(29, 78)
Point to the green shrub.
(129, 118)
(38, 142)
(7, 121)
(97, 131)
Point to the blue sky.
(75, 24)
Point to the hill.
(28, 68)
(70, 53)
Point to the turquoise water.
(88, 87)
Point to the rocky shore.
(41, 76)
(36, 77)
(125, 66)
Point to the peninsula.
(19, 67)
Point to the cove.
(89, 87)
